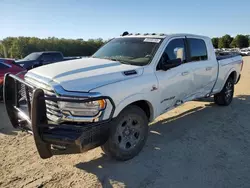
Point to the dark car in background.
(37, 59)
(9, 66)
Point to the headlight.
(83, 109)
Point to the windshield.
(134, 51)
(32, 56)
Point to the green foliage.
(215, 42)
(240, 41)
(248, 36)
(1, 51)
(225, 41)
(19, 47)
(233, 44)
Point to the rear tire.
(225, 97)
(128, 134)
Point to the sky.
(109, 18)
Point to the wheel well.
(233, 75)
(144, 105)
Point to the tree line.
(19, 47)
(227, 41)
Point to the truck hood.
(83, 75)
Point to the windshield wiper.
(121, 61)
(114, 59)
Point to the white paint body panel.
(226, 67)
(85, 74)
(107, 78)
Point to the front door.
(175, 83)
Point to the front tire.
(128, 134)
(225, 97)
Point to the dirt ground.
(196, 145)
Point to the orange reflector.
(102, 103)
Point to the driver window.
(174, 50)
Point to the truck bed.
(227, 63)
(222, 56)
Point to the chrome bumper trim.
(82, 119)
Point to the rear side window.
(57, 56)
(3, 66)
(47, 57)
(198, 50)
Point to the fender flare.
(134, 98)
(227, 76)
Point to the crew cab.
(108, 99)
(37, 59)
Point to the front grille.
(22, 92)
(53, 111)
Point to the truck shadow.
(176, 148)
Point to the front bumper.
(69, 138)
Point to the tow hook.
(57, 147)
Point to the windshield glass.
(32, 56)
(134, 51)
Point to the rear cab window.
(198, 49)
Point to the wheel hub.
(229, 90)
(128, 133)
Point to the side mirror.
(171, 64)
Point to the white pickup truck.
(108, 99)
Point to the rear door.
(204, 67)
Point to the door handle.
(185, 73)
(208, 68)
